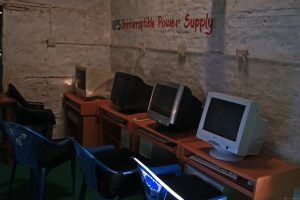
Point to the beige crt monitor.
(92, 82)
(233, 126)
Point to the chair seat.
(49, 155)
(120, 159)
(112, 185)
(192, 188)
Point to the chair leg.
(73, 169)
(41, 183)
(33, 179)
(82, 190)
(12, 177)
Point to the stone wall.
(44, 39)
(268, 30)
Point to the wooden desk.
(81, 118)
(260, 177)
(112, 121)
(145, 129)
(6, 103)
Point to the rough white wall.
(81, 31)
(268, 29)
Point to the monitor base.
(224, 155)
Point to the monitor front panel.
(223, 118)
(163, 99)
(80, 78)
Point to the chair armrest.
(30, 116)
(167, 169)
(163, 170)
(99, 149)
(36, 105)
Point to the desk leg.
(180, 154)
(101, 139)
(9, 114)
(90, 131)
(134, 138)
(9, 117)
(135, 142)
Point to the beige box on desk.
(92, 82)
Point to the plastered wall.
(268, 30)
(44, 39)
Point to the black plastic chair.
(39, 154)
(32, 114)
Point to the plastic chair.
(32, 114)
(182, 187)
(109, 172)
(40, 154)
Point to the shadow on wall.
(214, 63)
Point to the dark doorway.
(1, 52)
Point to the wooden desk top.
(177, 138)
(251, 167)
(80, 100)
(85, 107)
(108, 106)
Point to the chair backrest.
(14, 93)
(88, 165)
(24, 142)
(155, 188)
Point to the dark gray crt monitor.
(174, 107)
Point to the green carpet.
(58, 185)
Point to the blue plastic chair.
(26, 144)
(157, 189)
(113, 182)
(88, 167)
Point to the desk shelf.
(115, 138)
(144, 129)
(111, 121)
(169, 146)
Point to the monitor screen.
(223, 118)
(80, 78)
(163, 98)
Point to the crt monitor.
(232, 125)
(130, 94)
(93, 82)
(174, 107)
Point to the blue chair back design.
(88, 166)
(155, 188)
(24, 142)
(25, 147)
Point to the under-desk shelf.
(169, 142)
(111, 121)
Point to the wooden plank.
(278, 186)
